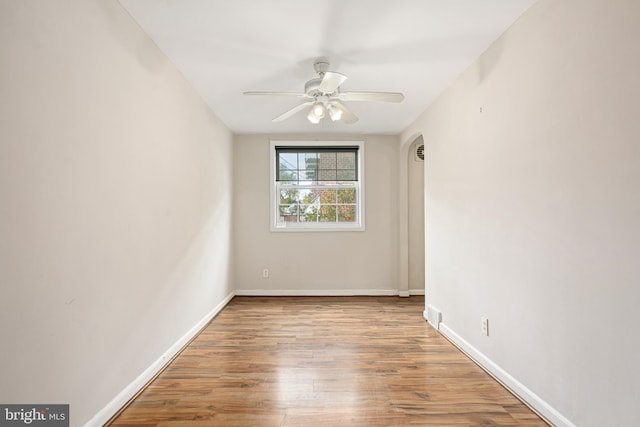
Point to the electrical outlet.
(485, 326)
(265, 273)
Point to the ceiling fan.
(324, 97)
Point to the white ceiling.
(417, 47)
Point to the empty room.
(319, 213)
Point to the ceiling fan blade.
(292, 111)
(267, 93)
(331, 81)
(371, 96)
(347, 116)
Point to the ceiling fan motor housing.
(311, 87)
(321, 67)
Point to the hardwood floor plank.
(323, 361)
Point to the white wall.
(115, 198)
(533, 208)
(315, 262)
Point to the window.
(316, 186)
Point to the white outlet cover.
(485, 326)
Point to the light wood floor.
(324, 361)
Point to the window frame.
(274, 194)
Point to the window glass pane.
(311, 214)
(346, 213)
(301, 211)
(346, 175)
(347, 195)
(288, 196)
(327, 214)
(288, 161)
(288, 213)
(327, 175)
(308, 176)
(288, 175)
(308, 196)
(308, 160)
(346, 160)
(327, 161)
(328, 196)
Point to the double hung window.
(317, 186)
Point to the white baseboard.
(136, 385)
(416, 291)
(516, 387)
(315, 292)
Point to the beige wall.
(532, 206)
(415, 218)
(115, 201)
(315, 262)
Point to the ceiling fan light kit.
(316, 113)
(334, 112)
(325, 97)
